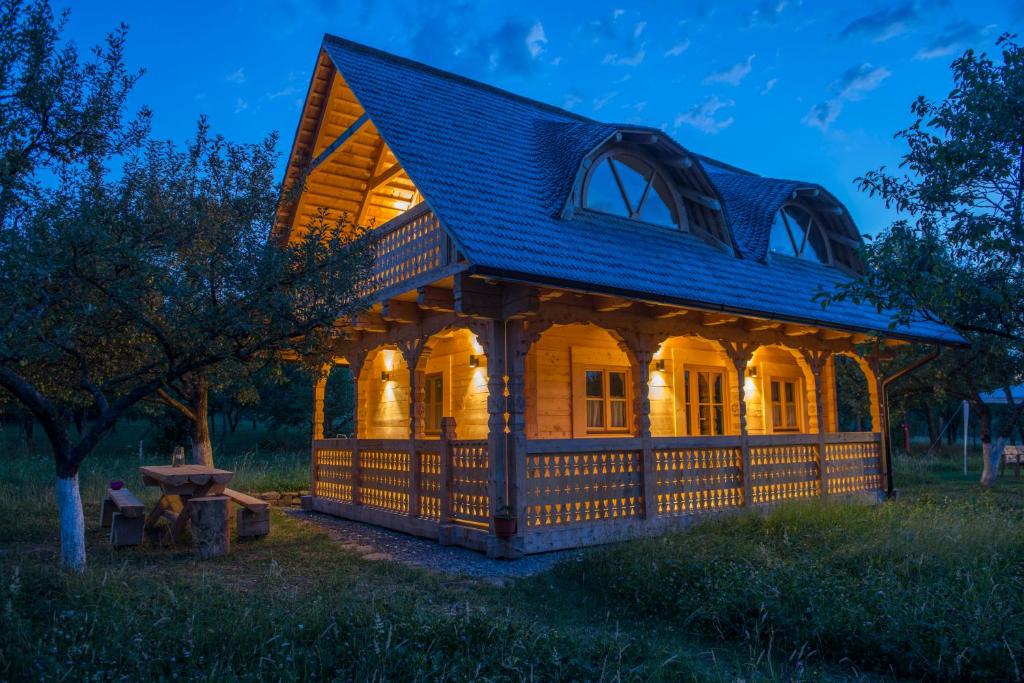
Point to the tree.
(956, 255)
(109, 295)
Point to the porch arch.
(382, 395)
(779, 362)
(452, 379)
(674, 404)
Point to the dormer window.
(627, 185)
(797, 232)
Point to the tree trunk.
(72, 523)
(28, 424)
(990, 453)
(933, 428)
(199, 402)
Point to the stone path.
(377, 543)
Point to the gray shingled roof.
(496, 168)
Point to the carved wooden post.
(355, 363)
(740, 354)
(520, 338)
(816, 362)
(318, 405)
(498, 483)
(447, 436)
(412, 352)
(642, 348)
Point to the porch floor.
(372, 541)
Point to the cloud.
(703, 116)
(240, 105)
(953, 38)
(851, 86)
(892, 21)
(571, 100)
(733, 75)
(678, 49)
(639, 28)
(601, 102)
(536, 40)
(769, 86)
(632, 60)
(236, 76)
(767, 12)
(453, 40)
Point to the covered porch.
(585, 420)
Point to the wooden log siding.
(411, 250)
(853, 462)
(573, 481)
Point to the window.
(627, 185)
(433, 403)
(796, 232)
(704, 392)
(607, 403)
(784, 397)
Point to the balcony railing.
(583, 491)
(412, 250)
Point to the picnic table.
(180, 486)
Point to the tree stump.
(210, 520)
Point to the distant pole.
(967, 411)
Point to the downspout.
(884, 411)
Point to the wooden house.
(580, 331)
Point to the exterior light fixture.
(752, 371)
(385, 376)
(474, 361)
(659, 365)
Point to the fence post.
(447, 436)
(356, 471)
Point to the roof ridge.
(452, 76)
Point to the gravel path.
(377, 543)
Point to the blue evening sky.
(786, 88)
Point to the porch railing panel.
(430, 478)
(332, 469)
(577, 481)
(697, 475)
(384, 474)
(469, 483)
(784, 467)
(853, 462)
(411, 249)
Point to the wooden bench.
(1014, 455)
(124, 514)
(253, 518)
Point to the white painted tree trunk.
(72, 524)
(991, 454)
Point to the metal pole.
(967, 410)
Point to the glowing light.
(477, 349)
(749, 387)
(389, 360)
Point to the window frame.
(691, 403)
(428, 429)
(676, 206)
(606, 399)
(814, 223)
(799, 402)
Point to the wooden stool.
(210, 523)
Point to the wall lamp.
(659, 365)
(385, 376)
(474, 361)
(752, 371)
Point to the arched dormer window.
(627, 184)
(798, 232)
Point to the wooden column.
(498, 483)
(447, 436)
(318, 406)
(642, 348)
(520, 338)
(412, 352)
(355, 363)
(816, 362)
(740, 354)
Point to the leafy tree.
(957, 253)
(111, 291)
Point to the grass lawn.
(927, 586)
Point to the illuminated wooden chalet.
(578, 328)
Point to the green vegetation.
(927, 586)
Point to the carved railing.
(573, 481)
(784, 467)
(412, 250)
(853, 462)
(694, 475)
